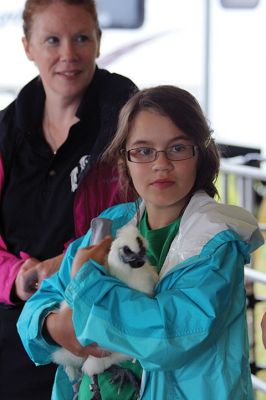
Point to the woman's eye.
(82, 38)
(52, 40)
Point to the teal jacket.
(191, 338)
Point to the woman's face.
(64, 44)
(163, 184)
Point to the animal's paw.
(122, 376)
(94, 388)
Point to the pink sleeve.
(9, 267)
(98, 191)
(9, 264)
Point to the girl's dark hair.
(185, 112)
(32, 7)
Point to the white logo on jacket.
(76, 171)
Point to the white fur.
(70, 362)
(95, 365)
(143, 279)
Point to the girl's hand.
(60, 327)
(96, 252)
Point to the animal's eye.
(127, 250)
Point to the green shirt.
(109, 391)
(159, 240)
(159, 243)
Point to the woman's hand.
(32, 273)
(27, 278)
(60, 327)
(96, 252)
(48, 267)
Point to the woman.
(51, 186)
(191, 338)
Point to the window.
(239, 3)
(120, 13)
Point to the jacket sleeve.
(191, 308)
(9, 267)
(9, 263)
(46, 299)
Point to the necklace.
(56, 137)
(50, 138)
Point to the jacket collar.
(203, 219)
(29, 104)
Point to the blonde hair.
(32, 7)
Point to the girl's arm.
(47, 299)
(59, 328)
(192, 307)
(44, 325)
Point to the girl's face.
(163, 184)
(64, 44)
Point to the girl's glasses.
(178, 152)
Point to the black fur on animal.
(135, 260)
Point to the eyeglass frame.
(194, 148)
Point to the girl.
(191, 338)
